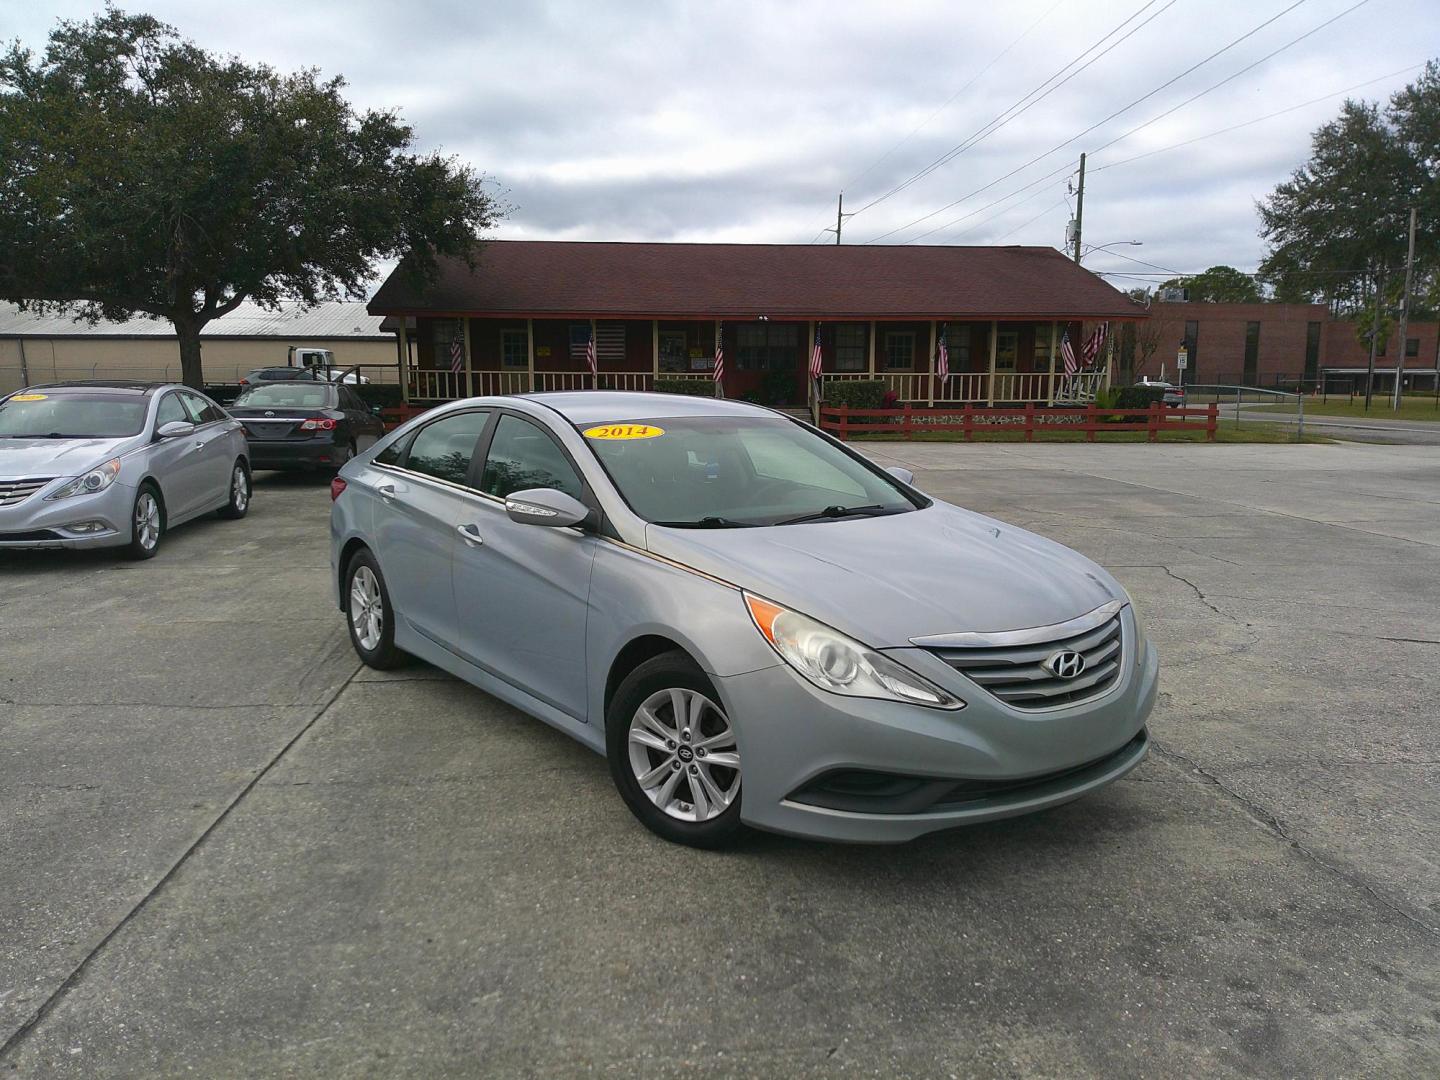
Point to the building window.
(1412, 346)
(446, 333)
(673, 351)
(1042, 348)
(957, 345)
(1252, 352)
(1312, 350)
(514, 349)
(1007, 348)
(766, 346)
(852, 345)
(899, 350)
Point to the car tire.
(372, 630)
(344, 458)
(240, 491)
(673, 756)
(147, 522)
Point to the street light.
(1092, 248)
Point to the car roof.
(133, 386)
(610, 406)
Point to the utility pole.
(1079, 208)
(1405, 313)
(840, 217)
(1374, 340)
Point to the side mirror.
(378, 410)
(905, 476)
(175, 429)
(546, 506)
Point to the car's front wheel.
(369, 614)
(147, 523)
(673, 753)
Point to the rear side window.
(522, 456)
(445, 448)
(392, 454)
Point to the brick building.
(1280, 344)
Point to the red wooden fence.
(845, 421)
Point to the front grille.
(17, 491)
(1020, 675)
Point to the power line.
(948, 101)
(1259, 119)
(1119, 138)
(1118, 112)
(1015, 110)
(1037, 217)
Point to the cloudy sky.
(738, 120)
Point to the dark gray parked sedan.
(708, 592)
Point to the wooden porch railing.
(430, 385)
(844, 421)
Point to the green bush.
(857, 394)
(692, 387)
(1138, 397)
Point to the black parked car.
(305, 424)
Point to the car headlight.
(97, 479)
(840, 664)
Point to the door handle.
(471, 533)
(387, 491)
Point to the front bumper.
(38, 522)
(791, 735)
(291, 454)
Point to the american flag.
(1068, 352)
(457, 356)
(719, 351)
(1094, 344)
(590, 355)
(942, 361)
(816, 359)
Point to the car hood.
(20, 458)
(885, 580)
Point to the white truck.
(322, 363)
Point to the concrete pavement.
(228, 849)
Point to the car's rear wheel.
(147, 523)
(369, 614)
(239, 504)
(673, 753)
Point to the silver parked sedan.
(115, 464)
(708, 592)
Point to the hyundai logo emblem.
(269, 413)
(1066, 664)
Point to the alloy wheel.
(147, 520)
(239, 489)
(683, 753)
(367, 609)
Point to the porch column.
(994, 349)
(654, 352)
(1050, 395)
(400, 366)
(530, 354)
(930, 382)
(469, 361)
(596, 346)
(1110, 358)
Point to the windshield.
(727, 471)
(287, 396)
(69, 415)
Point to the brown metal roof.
(568, 279)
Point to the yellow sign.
(28, 397)
(623, 431)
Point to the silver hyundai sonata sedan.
(755, 624)
(115, 464)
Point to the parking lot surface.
(227, 849)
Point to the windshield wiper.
(870, 510)
(711, 522)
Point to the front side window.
(172, 409)
(445, 448)
(724, 471)
(522, 457)
(37, 414)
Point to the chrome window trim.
(461, 488)
(1030, 635)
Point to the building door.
(768, 364)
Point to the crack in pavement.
(78, 972)
(1274, 825)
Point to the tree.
(144, 176)
(1218, 285)
(1337, 228)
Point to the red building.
(522, 317)
(1281, 344)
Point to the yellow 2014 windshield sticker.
(623, 431)
(28, 397)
